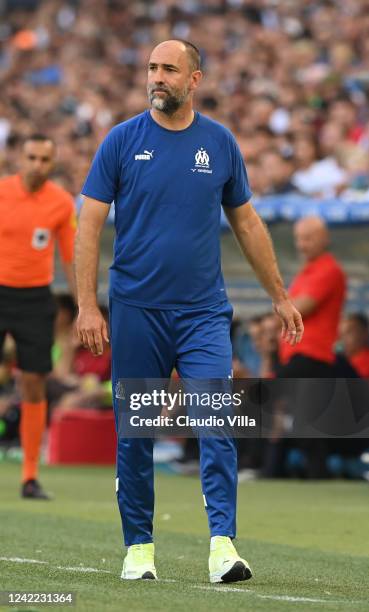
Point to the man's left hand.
(292, 325)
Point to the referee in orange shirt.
(33, 213)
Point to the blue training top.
(168, 187)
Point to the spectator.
(89, 379)
(258, 141)
(9, 394)
(63, 349)
(318, 292)
(323, 178)
(277, 171)
(258, 180)
(354, 335)
(331, 137)
(355, 161)
(238, 368)
(343, 112)
(78, 379)
(270, 332)
(252, 357)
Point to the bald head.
(181, 49)
(311, 237)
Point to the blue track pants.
(149, 343)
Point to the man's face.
(275, 168)
(352, 336)
(309, 243)
(270, 331)
(169, 79)
(255, 333)
(37, 161)
(304, 151)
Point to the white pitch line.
(83, 569)
(304, 599)
(218, 589)
(291, 598)
(21, 560)
(60, 567)
(222, 588)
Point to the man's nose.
(159, 76)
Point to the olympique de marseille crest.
(202, 162)
(202, 159)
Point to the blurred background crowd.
(290, 79)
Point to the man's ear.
(196, 78)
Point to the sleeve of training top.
(66, 231)
(236, 191)
(102, 180)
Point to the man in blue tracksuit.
(169, 170)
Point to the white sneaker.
(225, 564)
(139, 563)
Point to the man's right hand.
(92, 329)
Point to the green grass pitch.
(308, 544)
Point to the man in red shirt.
(355, 339)
(34, 212)
(318, 292)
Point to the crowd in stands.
(291, 79)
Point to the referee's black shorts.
(28, 314)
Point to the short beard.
(35, 183)
(168, 105)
